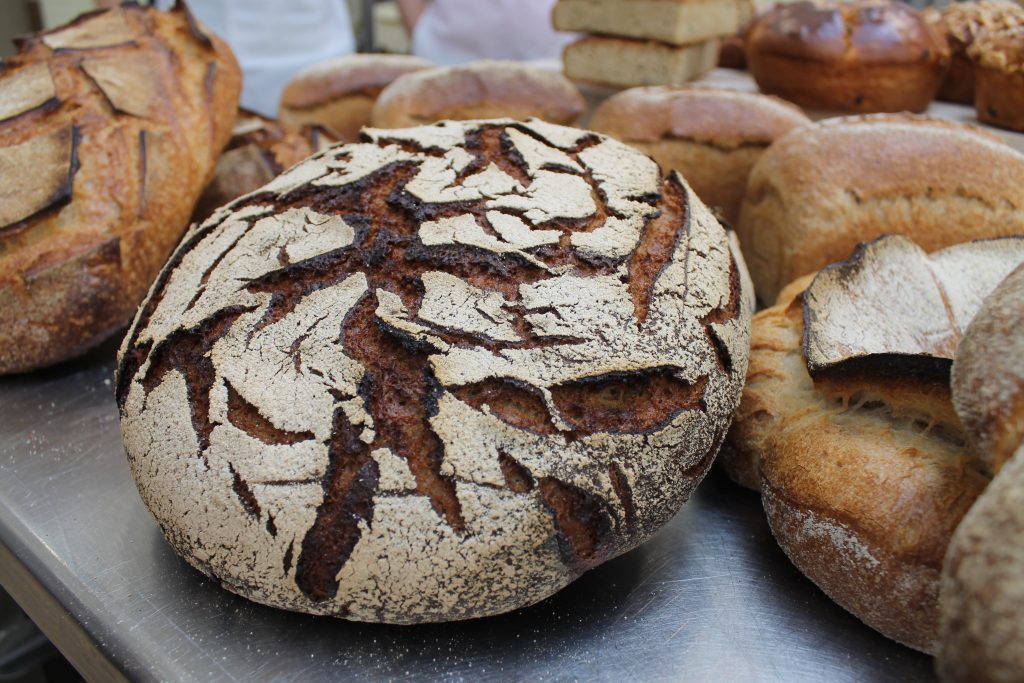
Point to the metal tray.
(710, 598)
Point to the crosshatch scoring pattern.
(437, 374)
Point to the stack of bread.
(647, 42)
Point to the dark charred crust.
(514, 403)
(349, 484)
(210, 81)
(271, 526)
(142, 172)
(517, 478)
(881, 366)
(722, 315)
(288, 556)
(580, 519)
(244, 493)
(627, 402)
(658, 242)
(246, 417)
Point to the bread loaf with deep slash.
(437, 374)
(109, 129)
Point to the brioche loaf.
(340, 93)
(495, 353)
(109, 129)
(982, 598)
(820, 190)
(712, 137)
(847, 427)
(478, 90)
(860, 56)
(259, 150)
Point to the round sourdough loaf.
(712, 137)
(859, 56)
(847, 427)
(819, 191)
(340, 93)
(109, 129)
(982, 598)
(435, 375)
(478, 90)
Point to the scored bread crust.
(123, 113)
(819, 191)
(478, 90)
(339, 93)
(862, 56)
(863, 479)
(436, 375)
(712, 137)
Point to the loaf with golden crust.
(982, 598)
(340, 93)
(478, 90)
(109, 129)
(819, 191)
(435, 375)
(259, 150)
(713, 137)
(962, 23)
(847, 427)
(860, 56)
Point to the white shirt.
(273, 39)
(458, 31)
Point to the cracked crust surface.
(982, 631)
(478, 90)
(712, 137)
(109, 128)
(818, 192)
(435, 375)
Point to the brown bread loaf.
(259, 150)
(999, 78)
(494, 353)
(860, 56)
(847, 427)
(627, 62)
(478, 90)
(982, 598)
(109, 129)
(819, 191)
(340, 93)
(712, 137)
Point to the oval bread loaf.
(435, 375)
(109, 129)
(819, 191)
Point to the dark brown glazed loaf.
(435, 375)
(109, 129)
(862, 56)
(259, 150)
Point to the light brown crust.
(713, 137)
(144, 102)
(865, 56)
(436, 375)
(627, 62)
(478, 90)
(962, 23)
(339, 93)
(864, 480)
(817, 192)
(669, 21)
(999, 78)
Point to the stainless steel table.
(711, 598)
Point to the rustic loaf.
(982, 597)
(679, 22)
(259, 150)
(712, 137)
(859, 56)
(819, 191)
(109, 129)
(852, 437)
(340, 93)
(478, 90)
(628, 62)
(435, 375)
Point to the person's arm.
(411, 11)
